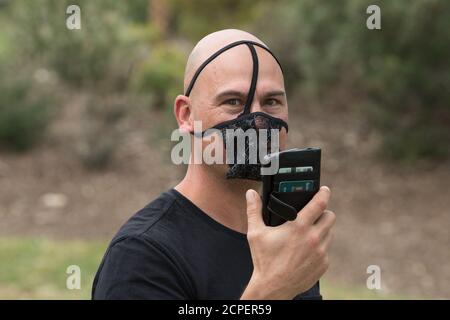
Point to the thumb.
(254, 207)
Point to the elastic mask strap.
(251, 91)
(216, 54)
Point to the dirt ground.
(393, 216)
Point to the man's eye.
(272, 102)
(233, 102)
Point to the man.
(206, 239)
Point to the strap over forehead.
(252, 89)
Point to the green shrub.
(405, 72)
(101, 133)
(398, 76)
(24, 115)
(95, 61)
(195, 19)
(161, 76)
(99, 55)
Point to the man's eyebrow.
(274, 93)
(229, 93)
(236, 93)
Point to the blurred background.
(86, 117)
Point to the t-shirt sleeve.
(138, 268)
(311, 294)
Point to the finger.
(314, 209)
(254, 214)
(325, 222)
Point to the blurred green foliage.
(99, 55)
(160, 75)
(398, 77)
(195, 19)
(95, 61)
(406, 75)
(24, 114)
(100, 134)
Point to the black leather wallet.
(286, 192)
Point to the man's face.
(221, 90)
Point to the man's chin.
(245, 172)
(225, 174)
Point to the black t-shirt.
(171, 249)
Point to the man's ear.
(182, 111)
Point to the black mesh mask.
(246, 169)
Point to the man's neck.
(220, 198)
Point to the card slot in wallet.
(295, 176)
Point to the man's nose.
(255, 106)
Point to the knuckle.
(253, 235)
(300, 226)
(321, 204)
(322, 253)
(313, 240)
(332, 217)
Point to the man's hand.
(288, 259)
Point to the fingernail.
(325, 188)
(250, 195)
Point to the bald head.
(211, 43)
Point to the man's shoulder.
(144, 247)
(146, 222)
